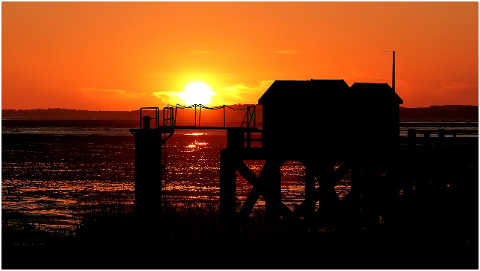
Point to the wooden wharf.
(423, 187)
(415, 157)
(416, 164)
(151, 154)
(355, 135)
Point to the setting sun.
(197, 93)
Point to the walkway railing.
(170, 114)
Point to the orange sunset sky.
(125, 55)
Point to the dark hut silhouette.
(325, 122)
(375, 115)
(326, 116)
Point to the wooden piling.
(441, 137)
(148, 172)
(235, 138)
(412, 134)
(309, 193)
(273, 191)
(227, 186)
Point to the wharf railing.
(440, 137)
(170, 113)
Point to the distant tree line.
(444, 113)
(185, 117)
(72, 114)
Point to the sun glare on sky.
(103, 55)
(197, 93)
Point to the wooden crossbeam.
(334, 177)
(252, 197)
(248, 205)
(259, 188)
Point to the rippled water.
(53, 172)
(54, 175)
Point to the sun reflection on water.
(54, 180)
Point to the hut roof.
(374, 92)
(302, 91)
(314, 90)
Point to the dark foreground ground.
(433, 235)
(434, 226)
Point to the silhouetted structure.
(419, 187)
(332, 129)
(150, 153)
(150, 164)
(328, 115)
(300, 115)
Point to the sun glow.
(197, 93)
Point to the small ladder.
(249, 121)
(168, 120)
(249, 118)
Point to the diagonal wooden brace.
(334, 177)
(260, 187)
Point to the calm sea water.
(52, 171)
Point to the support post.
(356, 187)
(195, 105)
(328, 199)
(412, 134)
(441, 137)
(368, 195)
(227, 186)
(235, 139)
(426, 136)
(148, 172)
(146, 122)
(309, 193)
(273, 189)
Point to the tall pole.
(393, 72)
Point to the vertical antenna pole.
(393, 72)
